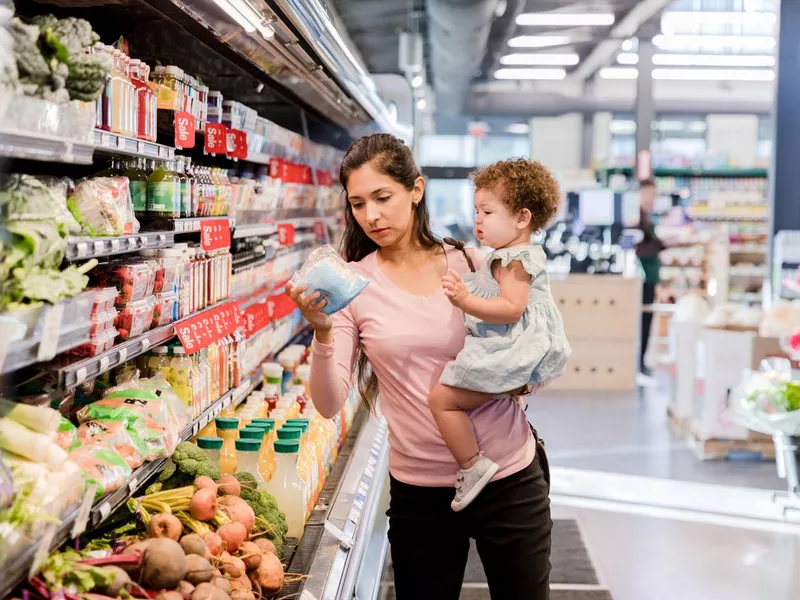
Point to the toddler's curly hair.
(522, 183)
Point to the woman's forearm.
(333, 359)
(494, 311)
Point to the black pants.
(509, 520)
(648, 298)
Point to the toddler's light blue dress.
(502, 358)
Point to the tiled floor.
(628, 433)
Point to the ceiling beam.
(603, 53)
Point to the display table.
(602, 319)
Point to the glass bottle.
(181, 378)
(162, 186)
(159, 363)
(137, 178)
(185, 185)
(189, 172)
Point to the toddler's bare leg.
(448, 405)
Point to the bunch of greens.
(51, 63)
(270, 520)
(790, 396)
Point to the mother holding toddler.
(402, 331)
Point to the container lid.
(248, 445)
(160, 350)
(303, 371)
(271, 390)
(252, 433)
(297, 425)
(287, 446)
(209, 443)
(290, 433)
(267, 427)
(179, 351)
(227, 423)
(299, 390)
(298, 420)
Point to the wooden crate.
(597, 365)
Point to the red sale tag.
(216, 140)
(184, 130)
(209, 326)
(215, 234)
(286, 234)
(237, 144)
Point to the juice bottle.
(189, 172)
(300, 392)
(303, 467)
(159, 362)
(212, 447)
(302, 377)
(247, 452)
(181, 378)
(114, 169)
(197, 187)
(137, 178)
(227, 429)
(288, 488)
(308, 459)
(162, 190)
(260, 434)
(186, 188)
(209, 430)
(273, 374)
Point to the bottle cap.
(297, 425)
(252, 433)
(160, 350)
(179, 351)
(290, 433)
(287, 446)
(248, 445)
(227, 423)
(209, 443)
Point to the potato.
(198, 569)
(163, 564)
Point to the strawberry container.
(135, 318)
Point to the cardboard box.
(722, 358)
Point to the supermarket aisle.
(628, 433)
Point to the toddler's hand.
(454, 288)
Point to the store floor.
(628, 433)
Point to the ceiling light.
(716, 42)
(247, 17)
(538, 41)
(422, 104)
(619, 73)
(567, 59)
(622, 127)
(627, 45)
(518, 128)
(701, 60)
(530, 74)
(555, 19)
(714, 74)
(672, 21)
(417, 81)
(236, 15)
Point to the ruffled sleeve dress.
(503, 358)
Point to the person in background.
(648, 250)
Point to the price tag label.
(105, 510)
(140, 147)
(51, 331)
(162, 151)
(105, 362)
(123, 355)
(195, 428)
(215, 234)
(83, 249)
(145, 343)
(286, 234)
(80, 375)
(83, 514)
(184, 130)
(216, 138)
(105, 140)
(144, 241)
(115, 245)
(133, 485)
(99, 247)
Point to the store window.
(451, 206)
(677, 139)
(447, 151)
(492, 148)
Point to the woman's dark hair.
(390, 156)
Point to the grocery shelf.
(254, 230)
(32, 146)
(84, 248)
(114, 143)
(28, 352)
(748, 248)
(185, 225)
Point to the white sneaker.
(470, 482)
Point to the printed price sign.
(286, 234)
(216, 138)
(209, 326)
(236, 144)
(256, 318)
(215, 234)
(184, 130)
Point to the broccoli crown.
(264, 506)
(191, 460)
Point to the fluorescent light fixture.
(556, 19)
(530, 74)
(518, 128)
(538, 41)
(627, 45)
(714, 42)
(622, 127)
(714, 74)
(417, 81)
(619, 73)
(550, 60)
(246, 16)
(422, 104)
(236, 15)
(672, 22)
(691, 74)
(701, 60)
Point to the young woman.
(400, 333)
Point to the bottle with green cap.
(304, 466)
(248, 450)
(267, 447)
(255, 432)
(228, 430)
(211, 447)
(287, 486)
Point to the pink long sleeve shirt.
(409, 338)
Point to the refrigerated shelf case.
(343, 550)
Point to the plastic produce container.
(135, 318)
(103, 321)
(164, 311)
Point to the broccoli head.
(190, 462)
(269, 516)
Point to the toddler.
(516, 335)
